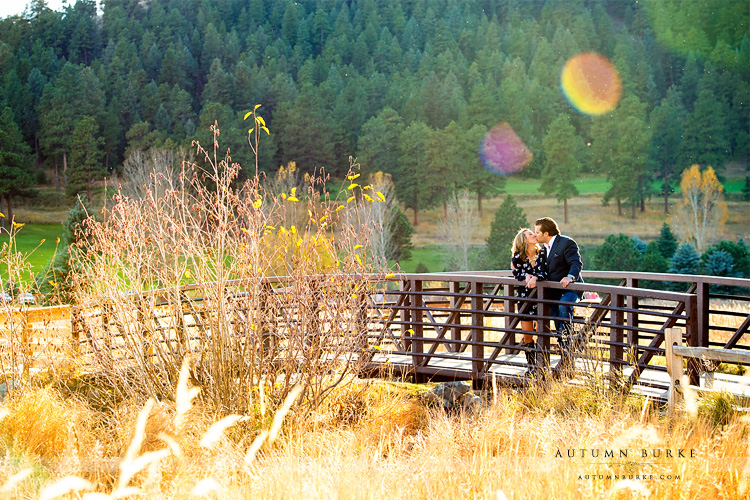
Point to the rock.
(452, 396)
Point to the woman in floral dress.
(528, 265)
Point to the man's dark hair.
(548, 225)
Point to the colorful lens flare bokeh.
(502, 152)
(591, 83)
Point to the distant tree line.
(409, 87)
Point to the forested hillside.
(408, 87)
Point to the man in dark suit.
(563, 265)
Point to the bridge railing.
(444, 324)
(464, 325)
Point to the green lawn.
(430, 256)
(733, 185)
(587, 185)
(28, 241)
(531, 186)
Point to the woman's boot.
(530, 355)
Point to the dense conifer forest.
(408, 87)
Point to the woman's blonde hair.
(521, 243)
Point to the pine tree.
(652, 260)
(738, 251)
(706, 140)
(561, 146)
(55, 282)
(617, 253)
(666, 141)
(401, 232)
(686, 260)
(85, 158)
(509, 218)
(409, 179)
(15, 161)
(378, 144)
(746, 189)
(667, 242)
(628, 154)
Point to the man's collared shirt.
(549, 244)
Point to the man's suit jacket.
(563, 259)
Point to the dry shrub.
(249, 339)
(41, 423)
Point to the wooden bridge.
(449, 326)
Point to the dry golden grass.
(589, 222)
(376, 440)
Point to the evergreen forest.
(407, 87)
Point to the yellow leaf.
(247, 114)
(250, 131)
(350, 199)
(43, 240)
(52, 283)
(352, 177)
(390, 275)
(261, 120)
(358, 259)
(271, 228)
(299, 243)
(410, 331)
(367, 187)
(368, 198)
(341, 207)
(325, 216)
(357, 246)
(264, 128)
(257, 204)
(376, 347)
(18, 224)
(293, 230)
(380, 195)
(2, 214)
(354, 184)
(292, 198)
(294, 191)
(283, 195)
(309, 213)
(256, 107)
(244, 230)
(187, 273)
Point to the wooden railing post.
(405, 314)
(694, 334)
(477, 328)
(633, 337)
(617, 317)
(455, 287)
(544, 310)
(509, 307)
(416, 323)
(673, 337)
(75, 326)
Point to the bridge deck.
(458, 367)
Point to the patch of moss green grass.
(29, 242)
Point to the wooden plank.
(724, 355)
